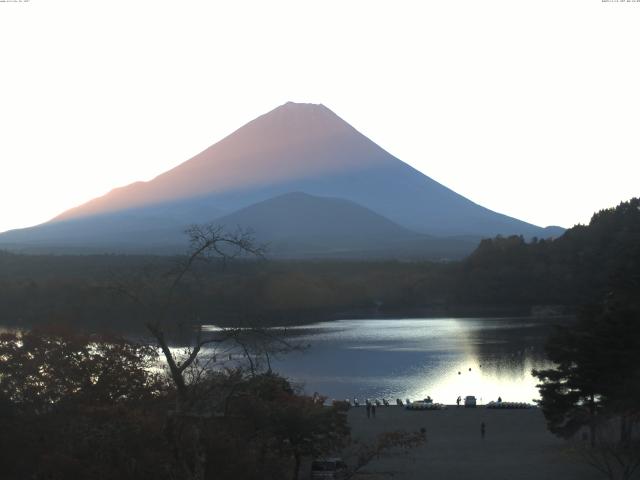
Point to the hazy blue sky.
(530, 108)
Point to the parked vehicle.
(328, 469)
(470, 401)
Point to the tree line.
(504, 275)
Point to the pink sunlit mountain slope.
(294, 148)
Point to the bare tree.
(363, 454)
(161, 300)
(155, 293)
(614, 452)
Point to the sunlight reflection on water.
(413, 358)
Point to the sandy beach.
(517, 446)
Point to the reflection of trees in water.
(514, 341)
(509, 349)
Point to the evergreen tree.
(597, 373)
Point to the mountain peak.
(297, 119)
(306, 105)
(301, 108)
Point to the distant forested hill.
(571, 269)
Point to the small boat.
(509, 405)
(422, 405)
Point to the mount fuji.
(285, 174)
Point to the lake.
(413, 358)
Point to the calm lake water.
(413, 358)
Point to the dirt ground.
(517, 446)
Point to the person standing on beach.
(373, 410)
(368, 410)
(482, 430)
(458, 400)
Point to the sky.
(530, 108)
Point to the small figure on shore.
(482, 430)
(368, 410)
(373, 410)
(458, 400)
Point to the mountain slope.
(302, 225)
(294, 148)
(308, 148)
(299, 215)
(293, 225)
